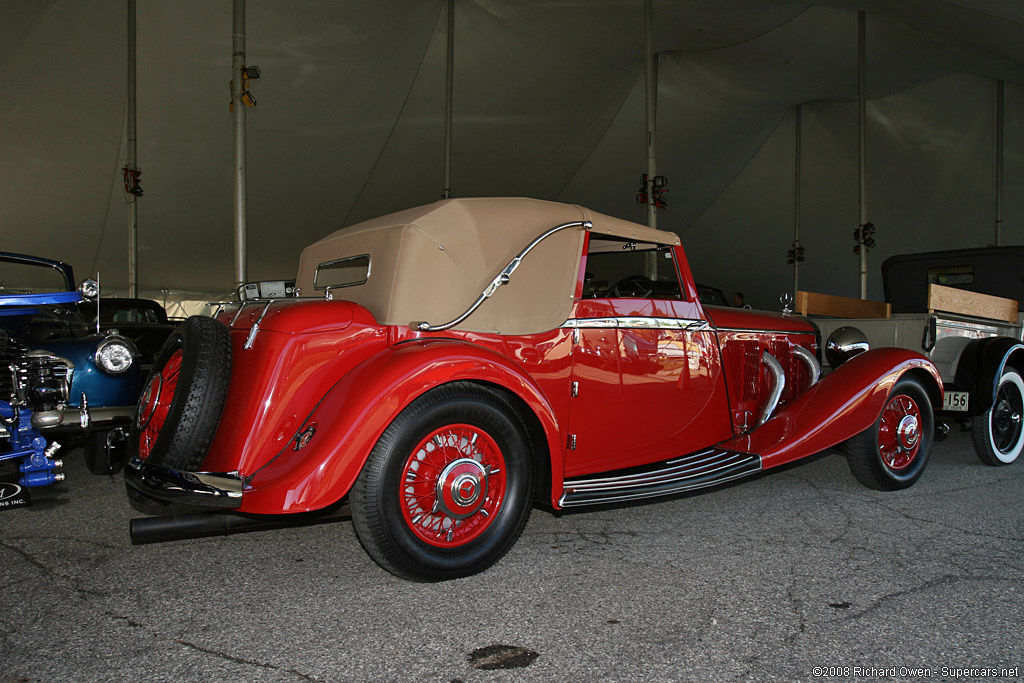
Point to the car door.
(646, 376)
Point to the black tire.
(893, 452)
(468, 443)
(998, 434)
(183, 398)
(101, 458)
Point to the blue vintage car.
(67, 382)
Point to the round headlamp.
(115, 355)
(845, 343)
(90, 289)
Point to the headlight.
(845, 343)
(115, 355)
(90, 289)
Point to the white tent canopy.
(548, 103)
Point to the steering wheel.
(642, 287)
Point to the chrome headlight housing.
(845, 343)
(90, 289)
(115, 355)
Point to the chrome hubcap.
(149, 401)
(461, 488)
(908, 432)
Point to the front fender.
(840, 406)
(357, 409)
(101, 389)
(980, 366)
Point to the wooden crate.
(812, 303)
(952, 300)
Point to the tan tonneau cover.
(432, 262)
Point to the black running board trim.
(706, 468)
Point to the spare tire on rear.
(183, 397)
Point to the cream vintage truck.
(961, 309)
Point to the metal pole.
(650, 86)
(999, 162)
(798, 134)
(238, 126)
(449, 88)
(862, 163)
(132, 162)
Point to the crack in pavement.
(30, 558)
(205, 650)
(927, 585)
(247, 662)
(945, 525)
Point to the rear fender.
(840, 406)
(981, 363)
(354, 413)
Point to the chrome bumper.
(81, 420)
(204, 489)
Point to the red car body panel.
(296, 356)
(743, 336)
(666, 385)
(350, 417)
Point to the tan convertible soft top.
(431, 263)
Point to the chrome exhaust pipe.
(778, 385)
(810, 361)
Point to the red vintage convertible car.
(447, 366)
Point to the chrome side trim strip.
(699, 470)
(971, 327)
(500, 279)
(742, 330)
(641, 323)
(206, 489)
(778, 385)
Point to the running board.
(699, 470)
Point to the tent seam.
(398, 118)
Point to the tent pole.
(133, 160)
(651, 107)
(999, 162)
(798, 134)
(449, 88)
(238, 126)
(862, 151)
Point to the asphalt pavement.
(796, 575)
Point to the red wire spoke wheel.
(447, 489)
(453, 485)
(892, 453)
(899, 432)
(155, 403)
(180, 408)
